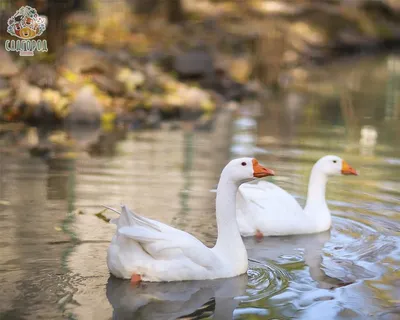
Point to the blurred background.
(136, 63)
(144, 101)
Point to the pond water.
(54, 234)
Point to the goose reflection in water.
(306, 248)
(175, 300)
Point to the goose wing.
(162, 241)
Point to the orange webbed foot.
(136, 279)
(259, 236)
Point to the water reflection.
(184, 300)
(244, 131)
(368, 140)
(30, 268)
(392, 108)
(301, 250)
(217, 299)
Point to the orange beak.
(260, 171)
(347, 170)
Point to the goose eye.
(244, 163)
(334, 161)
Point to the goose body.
(265, 209)
(153, 251)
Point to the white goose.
(264, 209)
(148, 250)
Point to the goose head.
(243, 170)
(334, 166)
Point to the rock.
(353, 38)
(28, 94)
(291, 57)
(41, 75)
(80, 63)
(8, 67)
(82, 59)
(192, 96)
(58, 103)
(240, 69)
(107, 84)
(194, 63)
(309, 33)
(86, 108)
(123, 56)
(130, 79)
(277, 8)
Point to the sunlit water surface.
(54, 241)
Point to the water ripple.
(264, 280)
(355, 249)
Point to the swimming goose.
(147, 250)
(264, 209)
